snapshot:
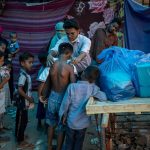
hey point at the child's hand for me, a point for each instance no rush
(31, 106)
(31, 100)
(76, 61)
(42, 100)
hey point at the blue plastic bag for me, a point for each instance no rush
(115, 79)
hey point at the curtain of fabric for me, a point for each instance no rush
(34, 26)
(137, 26)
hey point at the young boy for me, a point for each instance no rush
(41, 78)
(24, 100)
(73, 105)
(13, 45)
(61, 75)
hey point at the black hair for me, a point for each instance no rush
(2, 42)
(71, 23)
(2, 54)
(12, 33)
(65, 48)
(91, 73)
(43, 58)
(25, 56)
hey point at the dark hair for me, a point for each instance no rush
(2, 42)
(43, 58)
(91, 73)
(2, 54)
(25, 56)
(71, 23)
(12, 33)
(65, 48)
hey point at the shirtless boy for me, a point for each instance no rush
(61, 75)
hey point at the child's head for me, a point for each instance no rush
(42, 58)
(1, 58)
(91, 73)
(65, 49)
(26, 60)
(2, 46)
(13, 36)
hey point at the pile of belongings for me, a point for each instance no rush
(120, 72)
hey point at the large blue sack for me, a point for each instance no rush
(115, 79)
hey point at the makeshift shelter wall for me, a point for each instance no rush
(137, 25)
(34, 33)
(34, 26)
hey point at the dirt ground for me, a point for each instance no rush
(37, 137)
(132, 132)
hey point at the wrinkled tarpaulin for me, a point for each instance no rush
(34, 26)
(137, 25)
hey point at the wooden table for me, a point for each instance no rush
(136, 105)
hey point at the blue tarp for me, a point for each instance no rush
(137, 26)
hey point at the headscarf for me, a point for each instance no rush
(60, 31)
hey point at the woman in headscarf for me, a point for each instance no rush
(60, 32)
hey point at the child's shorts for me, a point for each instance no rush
(52, 114)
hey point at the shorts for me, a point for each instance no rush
(52, 114)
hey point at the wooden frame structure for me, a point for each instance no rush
(136, 105)
(107, 108)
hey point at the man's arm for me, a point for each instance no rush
(53, 53)
(79, 58)
(54, 50)
(86, 45)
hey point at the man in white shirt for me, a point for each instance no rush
(81, 46)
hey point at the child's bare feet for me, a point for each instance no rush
(24, 145)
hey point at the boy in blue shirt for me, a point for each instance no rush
(72, 108)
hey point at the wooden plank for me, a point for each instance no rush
(105, 120)
(132, 105)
